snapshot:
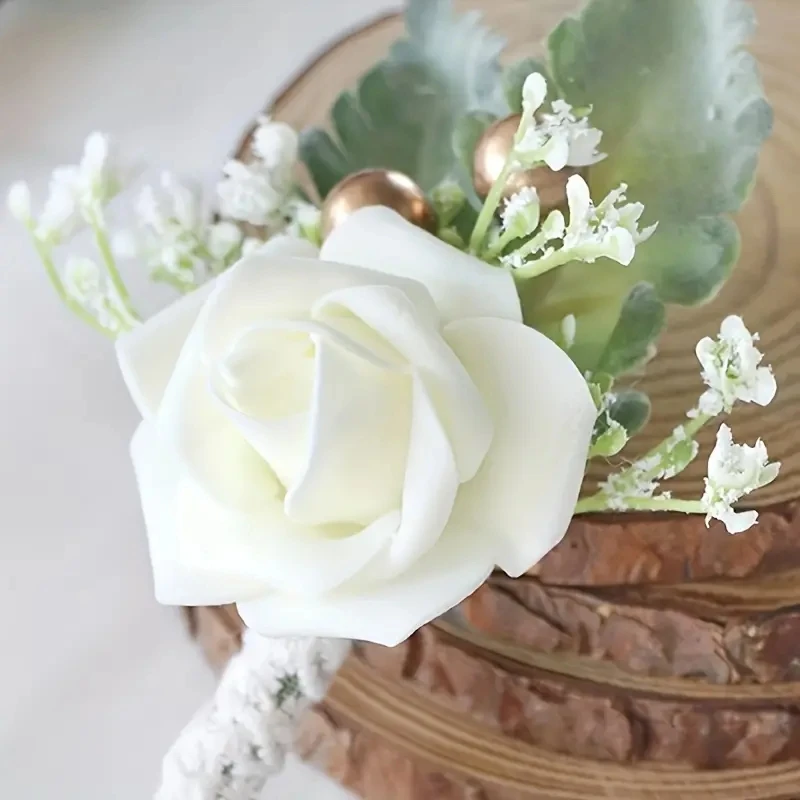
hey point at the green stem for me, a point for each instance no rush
(691, 429)
(490, 206)
(45, 256)
(600, 503)
(162, 276)
(495, 249)
(599, 500)
(543, 265)
(104, 248)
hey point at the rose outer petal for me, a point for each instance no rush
(461, 285)
(524, 495)
(148, 354)
(206, 554)
(386, 612)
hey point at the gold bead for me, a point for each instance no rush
(491, 153)
(377, 187)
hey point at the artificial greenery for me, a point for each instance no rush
(683, 116)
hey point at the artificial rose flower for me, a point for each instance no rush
(346, 445)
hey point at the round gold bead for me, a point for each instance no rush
(377, 187)
(491, 153)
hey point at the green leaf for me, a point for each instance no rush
(692, 261)
(631, 408)
(683, 114)
(514, 77)
(403, 113)
(640, 321)
(466, 133)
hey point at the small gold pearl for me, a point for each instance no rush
(377, 187)
(491, 153)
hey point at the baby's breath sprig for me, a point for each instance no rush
(732, 371)
(175, 240)
(557, 139)
(78, 196)
(608, 230)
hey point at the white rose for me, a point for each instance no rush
(347, 451)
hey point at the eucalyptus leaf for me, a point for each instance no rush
(403, 112)
(683, 116)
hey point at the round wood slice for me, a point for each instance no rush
(645, 657)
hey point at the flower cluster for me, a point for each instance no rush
(87, 287)
(560, 138)
(259, 192)
(78, 192)
(731, 371)
(174, 239)
(607, 230)
(735, 470)
(563, 138)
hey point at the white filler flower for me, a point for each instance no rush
(731, 369)
(258, 192)
(735, 470)
(559, 138)
(610, 229)
(346, 445)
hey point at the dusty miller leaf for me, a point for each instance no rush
(403, 112)
(683, 113)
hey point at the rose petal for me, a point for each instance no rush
(458, 403)
(356, 457)
(148, 354)
(262, 287)
(199, 581)
(525, 492)
(429, 490)
(387, 612)
(264, 384)
(206, 554)
(210, 447)
(460, 284)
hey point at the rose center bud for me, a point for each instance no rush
(327, 405)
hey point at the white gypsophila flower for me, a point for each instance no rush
(223, 239)
(275, 143)
(607, 230)
(732, 371)
(735, 470)
(560, 138)
(521, 212)
(258, 192)
(85, 285)
(60, 215)
(553, 228)
(19, 201)
(534, 92)
(80, 191)
(248, 194)
(171, 232)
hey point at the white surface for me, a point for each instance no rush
(96, 679)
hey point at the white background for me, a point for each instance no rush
(95, 678)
